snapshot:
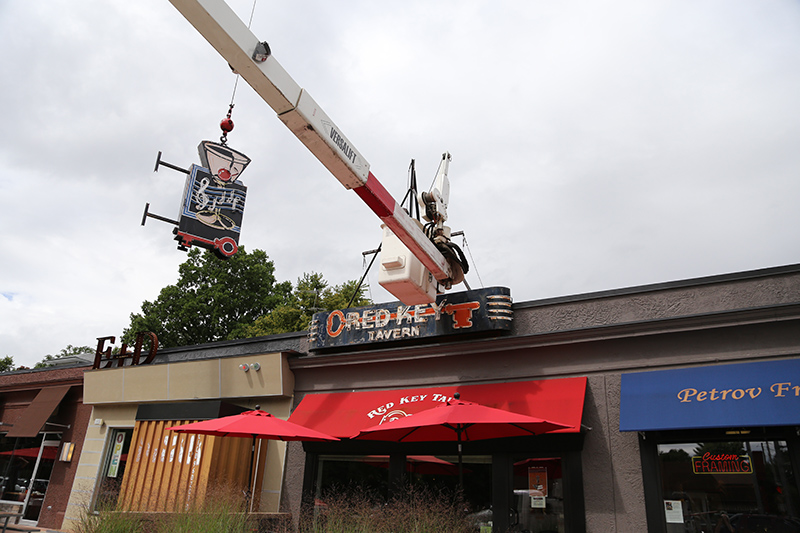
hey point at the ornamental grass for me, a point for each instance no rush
(416, 510)
(352, 511)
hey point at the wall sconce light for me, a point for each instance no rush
(255, 366)
(67, 449)
(245, 367)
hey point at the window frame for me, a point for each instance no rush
(651, 475)
(108, 447)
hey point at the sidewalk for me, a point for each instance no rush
(17, 528)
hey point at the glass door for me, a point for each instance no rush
(25, 468)
(114, 465)
(538, 504)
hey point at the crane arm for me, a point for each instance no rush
(234, 41)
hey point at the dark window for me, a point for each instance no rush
(727, 486)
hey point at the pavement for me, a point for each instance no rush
(17, 528)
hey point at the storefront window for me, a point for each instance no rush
(113, 468)
(25, 468)
(730, 486)
(538, 496)
(439, 474)
(340, 476)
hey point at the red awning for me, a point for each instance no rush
(343, 414)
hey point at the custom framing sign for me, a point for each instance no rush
(482, 310)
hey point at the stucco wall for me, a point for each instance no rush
(768, 287)
(612, 476)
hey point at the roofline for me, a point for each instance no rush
(667, 285)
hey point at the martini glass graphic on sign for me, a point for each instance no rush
(225, 165)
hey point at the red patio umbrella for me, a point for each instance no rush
(256, 425)
(418, 464)
(459, 421)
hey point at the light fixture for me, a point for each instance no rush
(67, 449)
(255, 366)
(245, 367)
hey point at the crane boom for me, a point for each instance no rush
(234, 41)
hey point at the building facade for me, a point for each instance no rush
(680, 401)
(42, 433)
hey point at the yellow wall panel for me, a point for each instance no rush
(145, 383)
(267, 381)
(189, 380)
(194, 380)
(104, 385)
(113, 416)
(273, 473)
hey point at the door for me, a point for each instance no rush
(538, 501)
(25, 468)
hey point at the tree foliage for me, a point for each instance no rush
(237, 298)
(65, 352)
(726, 447)
(311, 295)
(6, 363)
(211, 299)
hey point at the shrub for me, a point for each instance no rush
(109, 522)
(221, 512)
(414, 511)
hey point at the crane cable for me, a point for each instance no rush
(226, 125)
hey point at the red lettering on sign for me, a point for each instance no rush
(711, 463)
(329, 326)
(462, 313)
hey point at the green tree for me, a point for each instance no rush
(311, 295)
(6, 363)
(726, 447)
(674, 455)
(212, 299)
(65, 352)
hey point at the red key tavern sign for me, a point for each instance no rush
(482, 310)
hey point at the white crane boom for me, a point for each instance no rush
(234, 41)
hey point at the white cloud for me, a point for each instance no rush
(594, 146)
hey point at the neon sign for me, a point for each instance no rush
(722, 463)
(480, 310)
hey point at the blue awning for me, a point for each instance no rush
(718, 396)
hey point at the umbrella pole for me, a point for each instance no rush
(460, 465)
(248, 493)
(254, 478)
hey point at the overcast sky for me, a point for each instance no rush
(595, 145)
